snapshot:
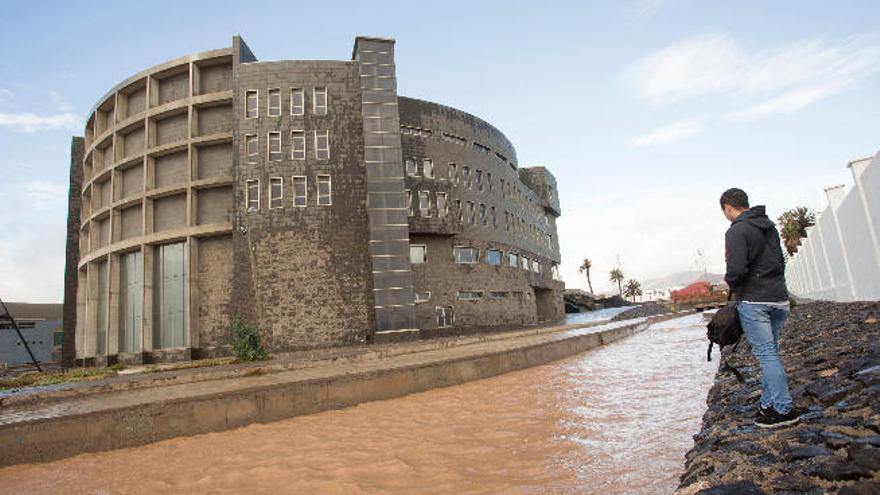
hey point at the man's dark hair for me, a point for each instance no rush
(736, 198)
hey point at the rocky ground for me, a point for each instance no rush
(646, 309)
(831, 352)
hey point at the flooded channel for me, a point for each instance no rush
(617, 419)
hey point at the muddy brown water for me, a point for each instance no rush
(617, 419)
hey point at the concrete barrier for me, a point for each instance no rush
(840, 258)
(57, 429)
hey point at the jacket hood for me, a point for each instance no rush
(757, 217)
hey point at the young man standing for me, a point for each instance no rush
(756, 277)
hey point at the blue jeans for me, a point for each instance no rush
(761, 324)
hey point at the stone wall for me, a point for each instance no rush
(302, 274)
(831, 353)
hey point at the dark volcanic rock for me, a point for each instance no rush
(640, 311)
(864, 456)
(861, 488)
(805, 452)
(831, 352)
(735, 488)
(836, 469)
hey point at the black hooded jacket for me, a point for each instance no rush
(753, 275)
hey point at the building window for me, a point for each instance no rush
(417, 253)
(423, 297)
(275, 146)
(494, 217)
(428, 168)
(536, 266)
(442, 205)
(274, 109)
(412, 169)
(319, 101)
(512, 260)
(503, 192)
(466, 176)
(425, 204)
(253, 195)
(300, 191)
(252, 148)
(324, 188)
(252, 108)
(493, 257)
(298, 145)
(525, 263)
(445, 317)
(470, 295)
(478, 177)
(297, 102)
(489, 181)
(471, 213)
(322, 145)
(498, 294)
(465, 254)
(452, 173)
(409, 202)
(276, 192)
(482, 214)
(459, 210)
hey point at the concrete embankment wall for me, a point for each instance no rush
(840, 258)
(42, 432)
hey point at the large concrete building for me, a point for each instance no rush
(306, 196)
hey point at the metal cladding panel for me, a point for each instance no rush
(389, 234)
(170, 279)
(130, 300)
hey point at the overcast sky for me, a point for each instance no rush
(644, 110)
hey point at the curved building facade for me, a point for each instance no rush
(304, 196)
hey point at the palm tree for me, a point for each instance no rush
(793, 227)
(633, 289)
(617, 276)
(585, 268)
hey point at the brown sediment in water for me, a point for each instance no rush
(617, 419)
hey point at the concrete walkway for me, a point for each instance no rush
(42, 425)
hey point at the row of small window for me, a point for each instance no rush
(455, 139)
(474, 295)
(297, 146)
(297, 102)
(418, 254)
(475, 181)
(300, 192)
(473, 214)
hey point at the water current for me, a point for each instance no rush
(617, 419)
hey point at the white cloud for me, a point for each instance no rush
(693, 67)
(6, 96)
(668, 133)
(29, 122)
(768, 82)
(59, 101)
(46, 195)
(644, 8)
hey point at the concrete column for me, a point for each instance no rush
(858, 169)
(113, 305)
(147, 332)
(836, 196)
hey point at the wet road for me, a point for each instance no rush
(617, 419)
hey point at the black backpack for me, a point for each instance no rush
(724, 329)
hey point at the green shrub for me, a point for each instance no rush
(247, 344)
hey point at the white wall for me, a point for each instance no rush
(840, 258)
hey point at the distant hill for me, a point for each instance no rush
(681, 279)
